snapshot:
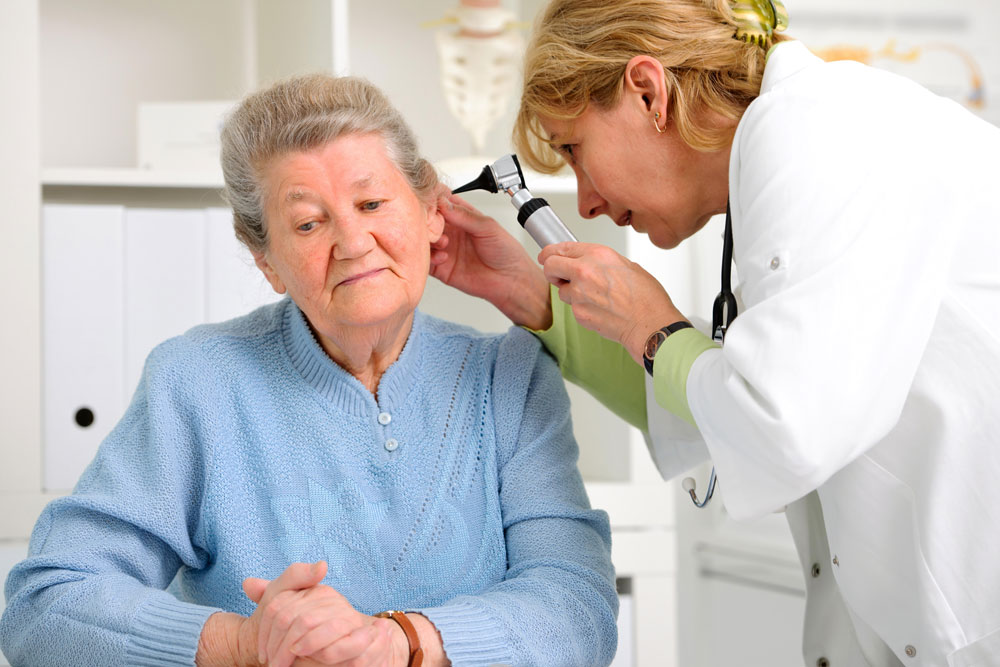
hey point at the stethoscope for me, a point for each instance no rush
(723, 313)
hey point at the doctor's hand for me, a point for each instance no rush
(305, 626)
(609, 294)
(479, 257)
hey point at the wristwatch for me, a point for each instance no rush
(416, 653)
(656, 339)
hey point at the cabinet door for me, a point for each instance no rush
(82, 335)
(235, 285)
(164, 281)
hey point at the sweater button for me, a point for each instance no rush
(384, 418)
(391, 444)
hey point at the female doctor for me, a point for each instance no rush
(859, 388)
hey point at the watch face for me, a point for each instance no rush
(653, 343)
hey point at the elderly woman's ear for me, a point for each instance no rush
(272, 276)
(435, 220)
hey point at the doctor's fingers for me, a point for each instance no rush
(594, 252)
(590, 276)
(463, 215)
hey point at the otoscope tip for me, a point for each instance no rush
(485, 181)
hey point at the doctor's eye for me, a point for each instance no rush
(372, 205)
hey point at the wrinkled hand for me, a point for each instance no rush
(479, 257)
(609, 294)
(301, 622)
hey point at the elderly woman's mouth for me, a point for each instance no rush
(357, 277)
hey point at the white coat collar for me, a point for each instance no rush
(786, 59)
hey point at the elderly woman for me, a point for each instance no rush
(337, 454)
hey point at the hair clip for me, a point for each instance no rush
(757, 20)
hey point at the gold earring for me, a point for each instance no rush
(656, 117)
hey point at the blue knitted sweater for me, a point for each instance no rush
(246, 448)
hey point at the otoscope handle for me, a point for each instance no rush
(539, 220)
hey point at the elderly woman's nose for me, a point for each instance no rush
(588, 201)
(352, 240)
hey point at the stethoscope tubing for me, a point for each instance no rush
(724, 311)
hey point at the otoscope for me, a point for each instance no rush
(533, 213)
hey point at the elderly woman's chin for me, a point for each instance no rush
(376, 299)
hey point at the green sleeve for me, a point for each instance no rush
(599, 365)
(609, 374)
(671, 367)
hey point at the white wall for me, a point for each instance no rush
(178, 51)
(20, 335)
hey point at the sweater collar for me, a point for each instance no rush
(338, 386)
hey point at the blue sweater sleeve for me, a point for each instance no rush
(91, 591)
(557, 604)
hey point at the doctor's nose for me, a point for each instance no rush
(588, 202)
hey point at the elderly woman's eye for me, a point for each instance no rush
(371, 205)
(306, 226)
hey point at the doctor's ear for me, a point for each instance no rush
(645, 84)
(260, 259)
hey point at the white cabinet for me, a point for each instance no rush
(164, 280)
(83, 335)
(117, 281)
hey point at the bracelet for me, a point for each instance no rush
(416, 653)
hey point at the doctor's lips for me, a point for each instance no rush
(624, 219)
(350, 280)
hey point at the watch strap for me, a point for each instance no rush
(416, 653)
(647, 360)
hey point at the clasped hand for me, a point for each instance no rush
(301, 622)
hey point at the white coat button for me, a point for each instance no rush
(815, 570)
(910, 651)
(775, 263)
(822, 662)
(391, 444)
(384, 418)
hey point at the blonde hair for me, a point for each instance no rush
(301, 114)
(579, 50)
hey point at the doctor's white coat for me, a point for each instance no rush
(859, 388)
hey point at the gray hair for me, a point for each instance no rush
(301, 114)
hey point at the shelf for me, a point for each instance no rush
(103, 177)
(131, 178)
